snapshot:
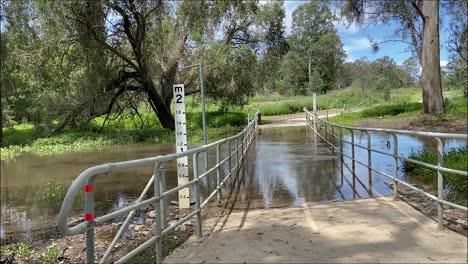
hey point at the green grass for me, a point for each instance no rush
(23, 139)
(453, 159)
(350, 97)
(21, 250)
(454, 108)
(51, 254)
(130, 130)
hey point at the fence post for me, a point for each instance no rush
(369, 161)
(395, 164)
(341, 156)
(229, 161)
(353, 155)
(89, 217)
(157, 208)
(197, 195)
(440, 184)
(326, 133)
(218, 173)
(162, 182)
(333, 136)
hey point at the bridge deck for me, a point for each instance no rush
(358, 231)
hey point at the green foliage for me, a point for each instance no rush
(453, 159)
(402, 107)
(391, 109)
(315, 46)
(52, 253)
(22, 249)
(456, 107)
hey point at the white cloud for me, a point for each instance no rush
(356, 44)
(443, 63)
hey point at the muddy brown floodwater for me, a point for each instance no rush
(284, 169)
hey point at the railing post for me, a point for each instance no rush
(369, 161)
(341, 155)
(326, 133)
(242, 145)
(395, 164)
(333, 136)
(218, 173)
(163, 203)
(229, 161)
(440, 184)
(89, 217)
(197, 195)
(353, 155)
(157, 208)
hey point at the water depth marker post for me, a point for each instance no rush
(181, 144)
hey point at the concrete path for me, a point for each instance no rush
(299, 118)
(359, 231)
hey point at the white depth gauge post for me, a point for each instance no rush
(181, 144)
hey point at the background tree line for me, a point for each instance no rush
(64, 63)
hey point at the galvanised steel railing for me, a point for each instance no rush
(87, 179)
(327, 131)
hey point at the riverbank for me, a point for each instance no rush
(409, 116)
(24, 139)
(130, 129)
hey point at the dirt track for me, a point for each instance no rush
(370, 230)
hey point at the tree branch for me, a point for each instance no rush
(418, 9)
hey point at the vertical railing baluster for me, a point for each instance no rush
(230, 161)
(353, 164)
(218, 173)
(326, 133)
(157, 208)
(369, 162)
(333, 136)
(395, 165)
(89, 217)
(197, 195)
(163, 203)
(440, 184)
(341, 155)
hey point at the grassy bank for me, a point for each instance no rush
(405, 112)
(454, 159)
(280, 105)
(403, 103)
(24, 138)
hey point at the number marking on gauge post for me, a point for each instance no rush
(181, 144)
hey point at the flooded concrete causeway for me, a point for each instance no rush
(284, 169)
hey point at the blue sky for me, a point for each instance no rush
(356, 40)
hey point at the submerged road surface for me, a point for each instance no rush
(359, 231)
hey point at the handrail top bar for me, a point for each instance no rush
(397, 131)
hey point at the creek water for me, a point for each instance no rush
(284, 168)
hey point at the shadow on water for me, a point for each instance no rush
(285, 168)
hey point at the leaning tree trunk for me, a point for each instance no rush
(160, 108)
(431, 81)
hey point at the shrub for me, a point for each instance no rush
(52, 253)
(391, 109)
(454, 159)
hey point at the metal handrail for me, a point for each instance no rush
(87, 178)
(326, 130)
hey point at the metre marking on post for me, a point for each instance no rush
(181, 144)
